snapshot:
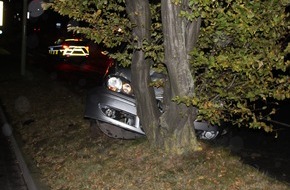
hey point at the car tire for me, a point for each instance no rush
(94, 129)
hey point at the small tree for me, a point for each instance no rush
(218, 56)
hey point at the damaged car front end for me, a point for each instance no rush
(112, 108)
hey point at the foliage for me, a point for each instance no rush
(239, 61)
(238, 64)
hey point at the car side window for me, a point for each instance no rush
(59, 41)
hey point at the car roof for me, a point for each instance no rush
(73, 39)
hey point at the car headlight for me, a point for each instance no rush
(118, 84)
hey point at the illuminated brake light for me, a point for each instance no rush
(65, 47)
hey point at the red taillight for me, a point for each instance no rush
(65, 46)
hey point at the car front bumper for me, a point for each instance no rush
(114, 108)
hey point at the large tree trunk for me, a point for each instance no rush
(173, 130)
(139, 14)
(180, 35)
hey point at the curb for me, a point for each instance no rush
(7, 131)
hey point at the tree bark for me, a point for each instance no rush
(139, 14)
(173, 130)
(180, 35)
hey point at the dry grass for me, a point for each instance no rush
(48, 119)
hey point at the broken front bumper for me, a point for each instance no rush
(113, 108)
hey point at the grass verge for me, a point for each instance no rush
(48, 120)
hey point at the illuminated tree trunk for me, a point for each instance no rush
(180, 36)
(139, 14)
(173, 130)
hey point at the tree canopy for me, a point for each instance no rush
(224, 59)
